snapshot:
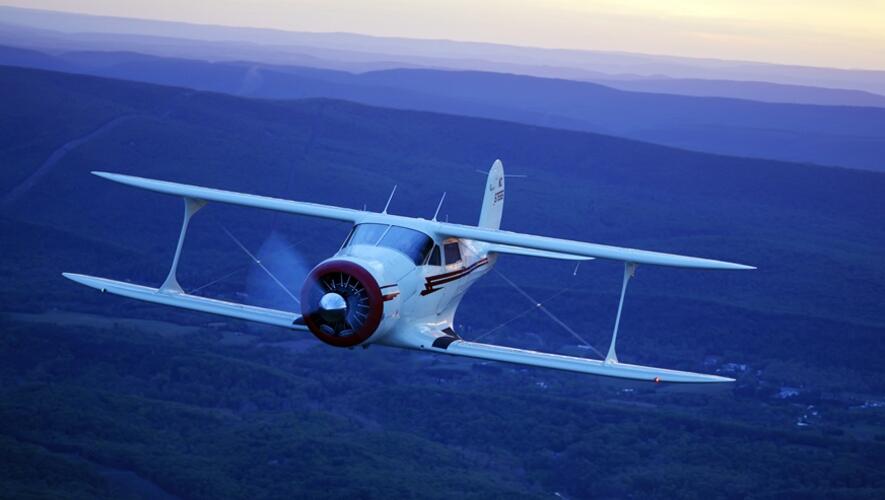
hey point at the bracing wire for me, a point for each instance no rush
(518, 316)
(228, 275)
(259, 264)
(235, 271)
(539, 305)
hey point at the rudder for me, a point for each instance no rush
(493, 199)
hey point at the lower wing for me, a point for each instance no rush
(446, 343)
(192, 302)
(449, 344)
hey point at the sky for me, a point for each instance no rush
(843, 34)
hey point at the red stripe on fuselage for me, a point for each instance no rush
(433, 281)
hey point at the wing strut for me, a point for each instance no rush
(170, 292)
(191, 206)
(629, 272)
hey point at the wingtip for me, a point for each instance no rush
(120, 178)
(103, 175)
(76, 278)
(703, 379)
(732, 266)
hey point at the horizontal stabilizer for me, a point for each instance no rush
(192, 302)
(531, 252)
(574, 364)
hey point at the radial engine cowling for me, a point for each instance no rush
(341, 303)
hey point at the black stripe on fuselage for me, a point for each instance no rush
(432, 282)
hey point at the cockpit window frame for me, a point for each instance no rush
(435, 257)
(425, 247)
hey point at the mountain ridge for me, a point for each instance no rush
(834, 135)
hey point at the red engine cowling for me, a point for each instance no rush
(341, 303)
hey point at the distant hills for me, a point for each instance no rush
(829, 135)
(754, 91)
(355, 52)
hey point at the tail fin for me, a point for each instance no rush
(493, 199)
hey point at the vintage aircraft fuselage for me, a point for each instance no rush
(389, 274)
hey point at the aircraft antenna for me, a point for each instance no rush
(441, 200)
(389, 200)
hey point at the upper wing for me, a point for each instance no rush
(547, 247)
(449, 344)
(248, 200)
(580, 248)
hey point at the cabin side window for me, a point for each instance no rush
(434, 257)
(453, 253)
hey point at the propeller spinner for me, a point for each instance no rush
(341, 303)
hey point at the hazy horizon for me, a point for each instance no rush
(812, 34)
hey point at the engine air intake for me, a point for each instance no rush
(341, 303)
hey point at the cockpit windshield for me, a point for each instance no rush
(414, 244)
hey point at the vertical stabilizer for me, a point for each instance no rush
(493, 199)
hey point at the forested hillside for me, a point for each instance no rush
(104, 396)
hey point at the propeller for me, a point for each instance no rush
(278, 272)
(341, 303)
(343, 307)
(340, 300)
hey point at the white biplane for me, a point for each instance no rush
(397, 281)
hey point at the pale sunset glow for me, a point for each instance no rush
(845, 34)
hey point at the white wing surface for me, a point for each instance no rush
(454, 346)
(543, 245)
(192, 302)
(246, 200)
(580, 248)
